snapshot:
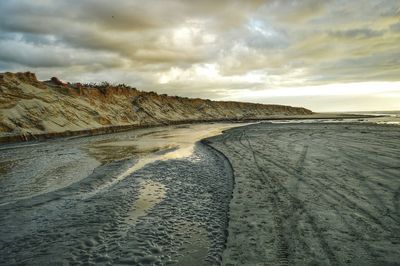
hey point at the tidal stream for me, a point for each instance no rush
(145, 197)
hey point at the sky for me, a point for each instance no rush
(324, 55)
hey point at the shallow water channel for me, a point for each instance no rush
(151, 196)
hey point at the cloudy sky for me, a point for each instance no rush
(324, 55)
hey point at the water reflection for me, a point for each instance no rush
(150, 193)
(150, 145)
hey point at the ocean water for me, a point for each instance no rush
(382, 117)
(378, 117)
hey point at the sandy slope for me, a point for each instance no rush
(313, 194)
(30, 107)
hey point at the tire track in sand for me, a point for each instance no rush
(280, 190)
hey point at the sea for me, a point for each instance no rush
(377, 117)
(381, 117)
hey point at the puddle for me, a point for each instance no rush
(150, 193)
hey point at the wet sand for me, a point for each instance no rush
(263, 194)
(145, 197)
(313, 194)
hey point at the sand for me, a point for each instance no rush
(144, 197)
(313, 194)
(263, 194)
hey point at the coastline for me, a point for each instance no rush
(15, 138)
(40, 109)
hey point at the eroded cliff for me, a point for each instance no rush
(29, 107)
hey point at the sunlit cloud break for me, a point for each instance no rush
(323, 55)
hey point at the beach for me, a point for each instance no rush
(313, 194)
(200, 133)
(268, 193)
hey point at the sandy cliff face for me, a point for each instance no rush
(31, 107)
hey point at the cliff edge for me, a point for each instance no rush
(31, 108)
